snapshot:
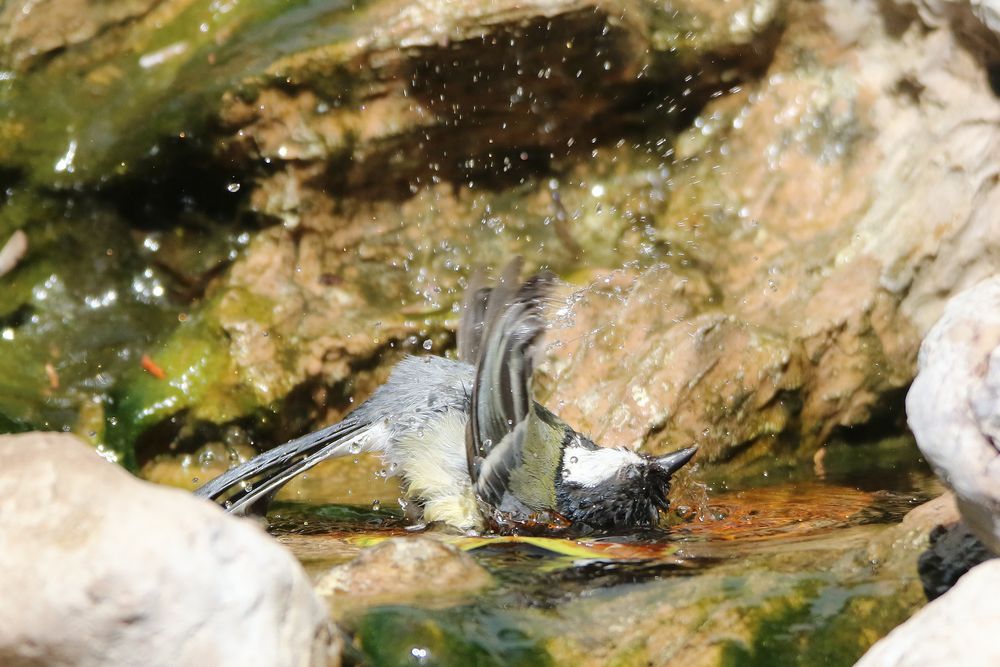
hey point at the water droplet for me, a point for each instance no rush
(428, 344)
(376, 505)
(233, 187)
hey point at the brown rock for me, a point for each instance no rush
(405, 568)
(785, 198)
(423, 96)
(792, 201)
(30, 30)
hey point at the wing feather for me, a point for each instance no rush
(250, 487)
(501, 400)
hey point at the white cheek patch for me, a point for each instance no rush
(590, 467)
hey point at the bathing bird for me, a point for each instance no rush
(471, 446)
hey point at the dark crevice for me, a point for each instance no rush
(993, 76)
(887, 418)
(182, 183)
(500, 117)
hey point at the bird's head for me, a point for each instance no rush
(605, 488)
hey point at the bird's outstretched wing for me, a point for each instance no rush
(250, 487)
(503, 432)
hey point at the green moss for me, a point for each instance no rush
(822, 624)
(81, 307)
(391, 636)
(91, 298)
(109, 102)
(199, 375)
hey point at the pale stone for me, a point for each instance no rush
(953, 407)
(959, 628)
(98, 568)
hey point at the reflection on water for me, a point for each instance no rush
(735, 523)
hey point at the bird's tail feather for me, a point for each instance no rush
(250, 487)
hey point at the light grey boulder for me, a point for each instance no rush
(953, 406)
(98, 568)
(959, 628)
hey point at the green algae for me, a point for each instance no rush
(396, 635)
(823, 623)
(197, 375)
(80, 308)
(109, 102)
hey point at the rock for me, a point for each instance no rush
(953, 551)
(776, 279)
(828, 256)
(740, 195)
(102, 569)
(418, 98)
(946, 548)
(913, 535)
(953, 406)
(404, 569)
(956, 629)
(976, 21)
(362, 267)
(33, 30)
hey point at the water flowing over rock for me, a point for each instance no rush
(775, 263)
(99, 568)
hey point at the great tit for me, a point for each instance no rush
(471, 446)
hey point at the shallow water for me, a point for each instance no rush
(785, 552)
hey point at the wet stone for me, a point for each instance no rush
(404, 569)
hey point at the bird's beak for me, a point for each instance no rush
(674, 461)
